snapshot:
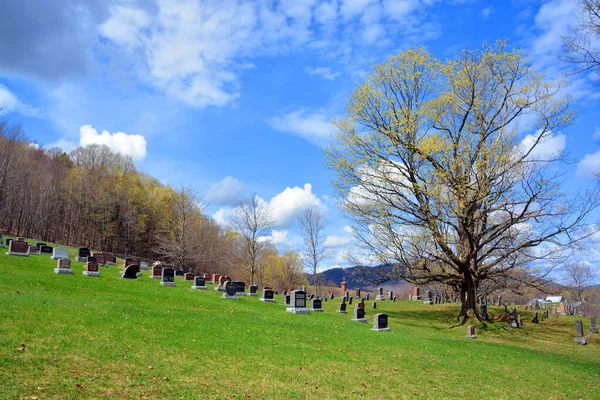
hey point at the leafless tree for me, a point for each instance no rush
(251, 219)
(582, 49)
(579, 276)
(312, 230)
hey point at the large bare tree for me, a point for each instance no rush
(251, 219)
(312, 222)
(433, 167)
(579, 276)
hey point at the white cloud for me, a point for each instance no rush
(227, 192)
(550, 146)
(280, 238)
(284, 206)
(589, 166)
(119, 142)
(337, 241)
(486, 12)
(65, 145)
(10, 103)
(316, 126)
(124, 25)
(194, 50)
(324, 72)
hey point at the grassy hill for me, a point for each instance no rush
(87, 337)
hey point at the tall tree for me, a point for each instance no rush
(312, 230)
(251, 219)
(582, 49)
(579, 276)
(430, 167)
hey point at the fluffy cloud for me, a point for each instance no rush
(486, 12)
(337, 241)
(324, 72)
(550, 146)
(227, 192)
(316, 126)
(288, 204)
(119, 142)
(284, 207)
(589, 166)
(194, 50)
(10, 103)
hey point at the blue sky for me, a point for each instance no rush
(236, 97)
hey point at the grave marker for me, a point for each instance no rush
(593, 327)
(131, 272)
(253, 290)
(380, 322)
(268, 295)
(471, 332)
(579, 338)
(63, 266)
(82, 254)
(215, 278)
(91, 267)
(188, 277)
(230, 291)
(380, 295)
(199, 283)
(342, 308)
(60, 252)
(298, 303)
(156, 271)
(167, 277)
(144, 266)
(17, 248)
(535, 319)
(428, 298)
(359, 315)
(316, 305)
(33, 250)
(287, 299)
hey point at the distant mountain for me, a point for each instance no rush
(354, 276)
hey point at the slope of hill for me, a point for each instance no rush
(72, 336)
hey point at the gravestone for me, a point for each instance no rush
(593, 327)
(357, 292)
(8, 241)
(394, 299)
(343, 287)
(512, 319)
(199, 283)
(374, 305)
(350, 300)
(111, 259)
(331, 297)
(380, 322)
(360, 305)
(230, 291)
(359, 315)
(101, 258)
(156, 272)
(1, 240)
(367, 297)
(287, 299)
(131, 272)
(63, 266)
(215, 278)
(390, 295)
(240, 288)
(82, 254)
(268, 295)
(428, 298)
(33, 250)
(342, 308)
(46, 249)
(380, 295)
(60, 252)
(416, 293)
(144, 266)
(39, 245)
(253, 290)
(298, 303)
(316, 305)
(471, 332)
(484, 312)
(535, 319)
(189, 277)
(167, 277)
(179, 272)
(579, 338)
(222, 282)
(91, 268)
(18, 248)
(347, 294)
(126, 263)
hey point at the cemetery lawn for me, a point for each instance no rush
(72, 336)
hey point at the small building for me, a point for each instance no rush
(555, 299)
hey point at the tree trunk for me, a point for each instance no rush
(468, 296)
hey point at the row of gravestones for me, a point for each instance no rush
(579, 336)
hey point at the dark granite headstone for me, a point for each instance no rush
(18, 247)
(287, 299)
(240, 287)
(83, 252)
(380, 322)
(230, 288)
(298, 299)
(167, 277)
(199, 281)
(38, 245)
(253, 290)
(316, 305)
(130, 272)
(342, 308)
(92, 259)
(268, 295)
(359, 315)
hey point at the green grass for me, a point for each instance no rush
(88, 337)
